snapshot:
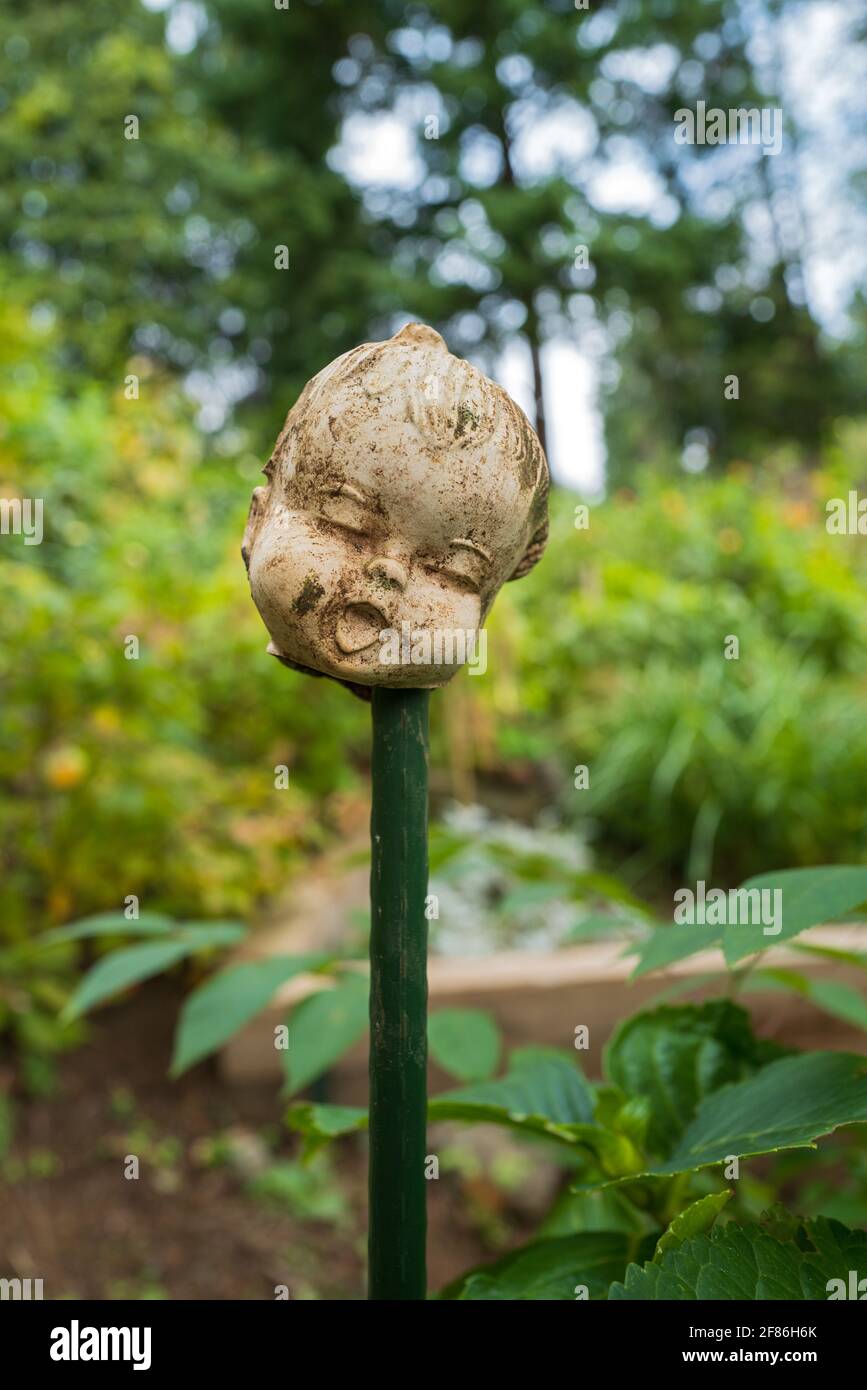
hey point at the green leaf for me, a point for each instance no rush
(809, 898)
(322, 1027)
(747, 1262)
(549, 1270)
(465, 1042)
(832, 996)
(528, 895)
(110, 924)
(202, 935)
(856, 958)
(121, 969)
(604, 1209)
(615, 1153)
(318, 1125)
(692, 1221)
(675, 1055)
(599, 925)
(787, 1105)
(543, 1092)
(668, 944)
(840, 1000)
(225, 1003)
(325, 1121)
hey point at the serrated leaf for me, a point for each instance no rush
(322, 1027)
(121, 969)
(692, 1221)
(837, 1248)
(465, 1042)
(786, 1105)
(675, 1055)
(542, 1091)
(809, 898)
(748, 1263)
(229, 1000)
(548, 1270)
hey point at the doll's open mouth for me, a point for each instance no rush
(359, 626)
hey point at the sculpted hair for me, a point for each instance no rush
(446, 402)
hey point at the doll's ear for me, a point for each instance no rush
(254, 516)
(534, 460)
(533, 554)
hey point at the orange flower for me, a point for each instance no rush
(797, 514)
(65, 767)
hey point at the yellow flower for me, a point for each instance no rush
(106, 719)
(65, 767)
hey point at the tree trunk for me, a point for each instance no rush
(538, 390)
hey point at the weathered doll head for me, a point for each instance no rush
(403, 491)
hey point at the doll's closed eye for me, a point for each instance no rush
(466, 565)
(347, 509)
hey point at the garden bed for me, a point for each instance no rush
(538, 997)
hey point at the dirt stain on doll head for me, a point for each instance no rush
(311, 593)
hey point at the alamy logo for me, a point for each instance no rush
(22, 516)
(857, 1288)
(739, 126)
(20, 1290)
(77, 1343)
(846, 516)
(742, 907)
(435, 647)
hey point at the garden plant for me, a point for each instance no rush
(657, 1201)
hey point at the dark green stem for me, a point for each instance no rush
(398, 995)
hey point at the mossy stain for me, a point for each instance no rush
(311, 593)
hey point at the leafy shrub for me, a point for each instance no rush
(151, 776)
(611, 655)
(689, 1094)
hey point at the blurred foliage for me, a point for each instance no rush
(507, 237)
(153, 259)
(152, 776)
(697, 1086)
(155, 776)
(614, 652)
(34, 988)
(166, 244)
(162, 239)
(141, 723)
(501, 885)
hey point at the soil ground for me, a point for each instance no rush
(189, 1226)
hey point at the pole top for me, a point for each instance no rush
(404, 490)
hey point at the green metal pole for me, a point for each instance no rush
(398, 995)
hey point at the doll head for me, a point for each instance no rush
(405, 488)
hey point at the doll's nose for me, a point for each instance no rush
(392, 571)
